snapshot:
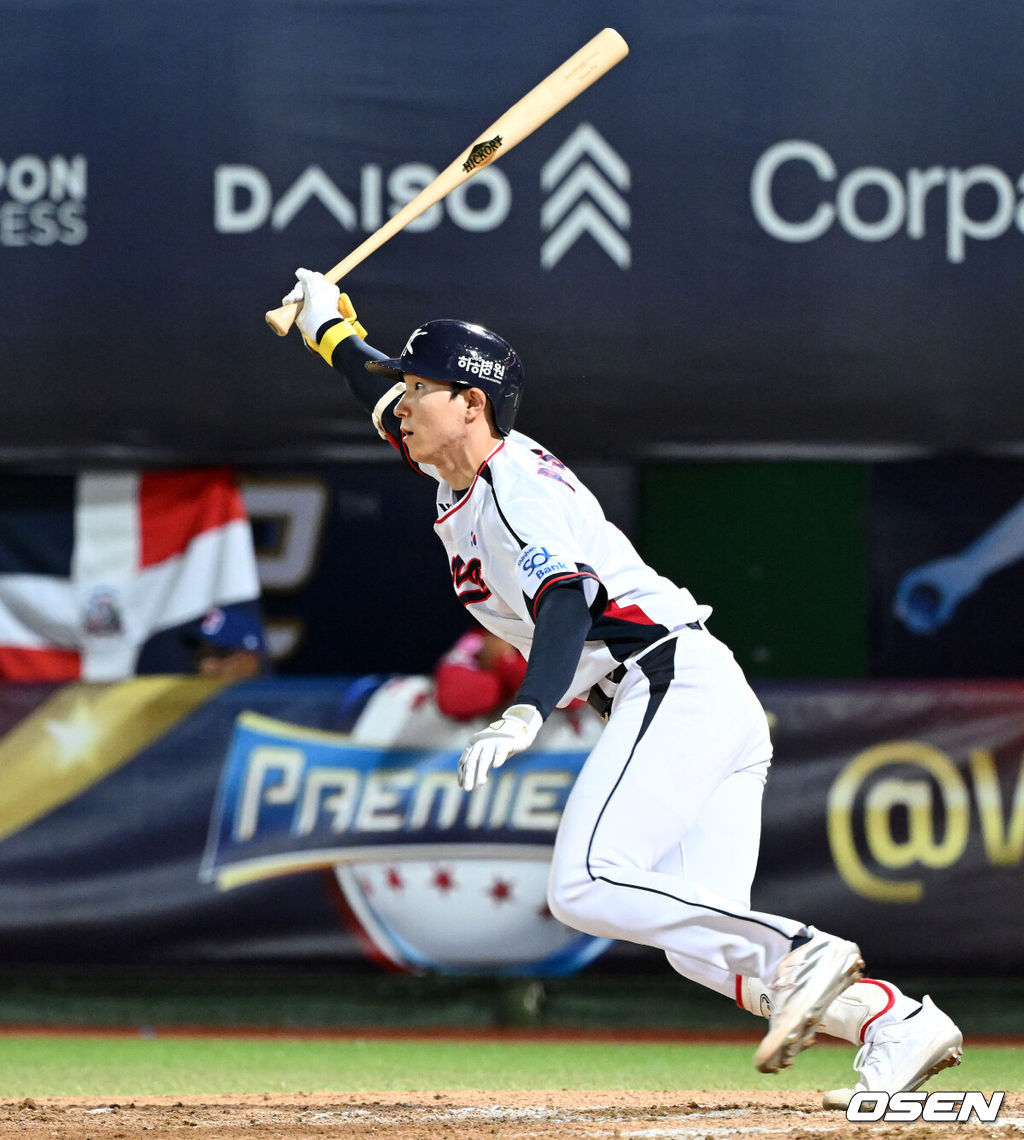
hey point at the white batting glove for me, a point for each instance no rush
(492, 746)
(319, 300)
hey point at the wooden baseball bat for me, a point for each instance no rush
(573, 77)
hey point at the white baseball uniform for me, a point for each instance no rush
(659, 838)
(658, 841)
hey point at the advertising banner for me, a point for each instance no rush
(435, 878)
(787, 228)
(894, 815)
(169, 819)
(946, 547)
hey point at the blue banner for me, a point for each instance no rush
(437, 879)
(786, 227)
(291, 799)
(170, 819)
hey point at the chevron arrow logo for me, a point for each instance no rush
(585, 179)
(313, 183)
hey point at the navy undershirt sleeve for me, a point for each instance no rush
(563, 622)
(349, 358)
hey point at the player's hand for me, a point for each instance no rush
(493, 745)
(321, 301)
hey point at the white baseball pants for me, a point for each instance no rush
(658, 841)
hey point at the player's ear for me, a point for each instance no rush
(476, 403)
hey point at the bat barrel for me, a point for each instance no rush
(567, 81)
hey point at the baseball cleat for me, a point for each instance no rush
(900, 1057)
(809, 979)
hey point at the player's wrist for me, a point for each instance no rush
(526, 701)
(525, 708)
(331, 333)
(525, 720)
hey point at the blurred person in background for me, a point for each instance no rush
(229, 643)
(478, 675)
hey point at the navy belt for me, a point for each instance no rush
(599, 700)
(616, 675)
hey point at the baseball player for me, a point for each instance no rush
(659, 837)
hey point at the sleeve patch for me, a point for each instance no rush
(537, 564)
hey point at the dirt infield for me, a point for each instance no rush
(472, 1115)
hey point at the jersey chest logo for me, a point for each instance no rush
(468, 581)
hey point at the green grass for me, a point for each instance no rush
(606, 996)
(129, 1066)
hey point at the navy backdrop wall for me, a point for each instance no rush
(781, 224)
(822, 569)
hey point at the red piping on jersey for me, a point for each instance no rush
(628, 613)
(468, 495)
(560, 578)
(403, 451)
(739, 991)
(889, 1004)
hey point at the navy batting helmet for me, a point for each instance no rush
(456, 352)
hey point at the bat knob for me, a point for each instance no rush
(282, 319)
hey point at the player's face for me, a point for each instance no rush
(432, 421)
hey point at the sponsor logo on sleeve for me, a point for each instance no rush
(537, 564)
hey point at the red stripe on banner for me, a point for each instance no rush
(628, 613)
(20, 664)
(175, 506)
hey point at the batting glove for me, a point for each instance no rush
(321, 302)
(492, 746)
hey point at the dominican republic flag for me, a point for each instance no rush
(102, 574)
